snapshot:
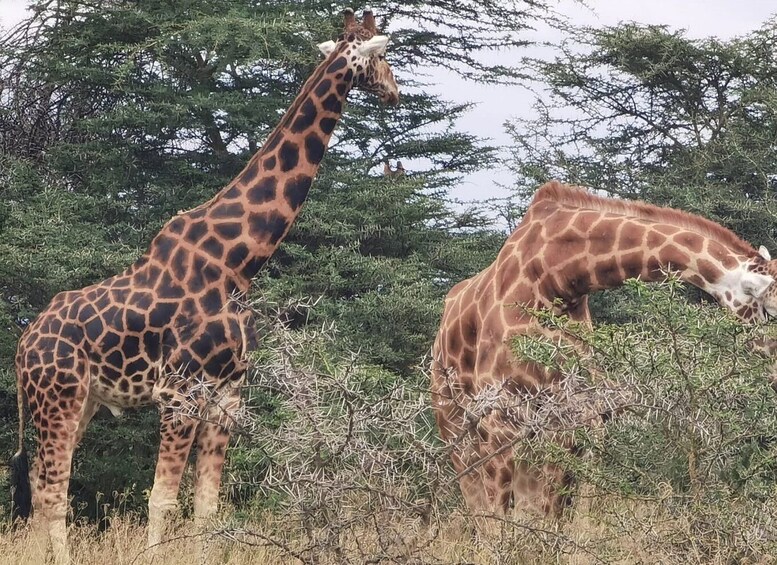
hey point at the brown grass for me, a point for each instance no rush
(600, 530)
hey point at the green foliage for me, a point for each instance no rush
(694, 432)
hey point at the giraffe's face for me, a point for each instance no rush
(375, 75)
(364, 53)
(760, 287)
(769, 296)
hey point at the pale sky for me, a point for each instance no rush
(700, 18)
(724, 19)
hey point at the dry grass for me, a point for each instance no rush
(600, 530)
(124, 543)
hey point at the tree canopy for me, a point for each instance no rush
(645, 112)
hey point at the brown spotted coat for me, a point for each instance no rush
(570, 243)
(165, 330)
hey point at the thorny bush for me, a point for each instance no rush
(347, 455)
(687, 468)
(337, 461)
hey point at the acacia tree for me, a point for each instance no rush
(115, 114)
(644, 112)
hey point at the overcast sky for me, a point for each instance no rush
(700, 18)
(724, 19)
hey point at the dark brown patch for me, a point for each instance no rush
(306, 117)
(674, 257)
(237, 255)
(296, 190)
(690, 240)
(608, 275)
(227, 211)
(228, 231)
(323, 87)
(314, 148)
(176, 226)
(269, 226)
(327, 125)
(708, 270)
(233, 192)
(631, 263)
(602, 236)
(262, 191)
(288, 156)
(332, 104)
(250, 172)
(336, 65)
(196, 231)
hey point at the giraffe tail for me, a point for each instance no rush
(21, 493)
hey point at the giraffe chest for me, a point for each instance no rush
(476, 338)
(178, 343)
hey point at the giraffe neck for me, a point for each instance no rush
(254, 212)
(569, 254)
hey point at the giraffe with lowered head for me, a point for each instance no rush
(570, 243)
(165, 331)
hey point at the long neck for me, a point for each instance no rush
(254, 212)
(569, 255)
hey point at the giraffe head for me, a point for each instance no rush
(750, 290)
(363, 51)
(766, 293)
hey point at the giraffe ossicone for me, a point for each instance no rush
(569, 244)
(166, 330)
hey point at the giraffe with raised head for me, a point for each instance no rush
(165, 331)
(570, 243)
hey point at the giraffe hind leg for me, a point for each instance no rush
(56, 414)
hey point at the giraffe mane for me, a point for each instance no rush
(580, 197)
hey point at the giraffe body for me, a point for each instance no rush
(166, 331)
(569, 244)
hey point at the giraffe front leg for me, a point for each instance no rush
(176, 438)
(212, 440)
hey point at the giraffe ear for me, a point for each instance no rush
(326, 47)
(754, 284)
(374, 45)
(763, 252)
(368, 20)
